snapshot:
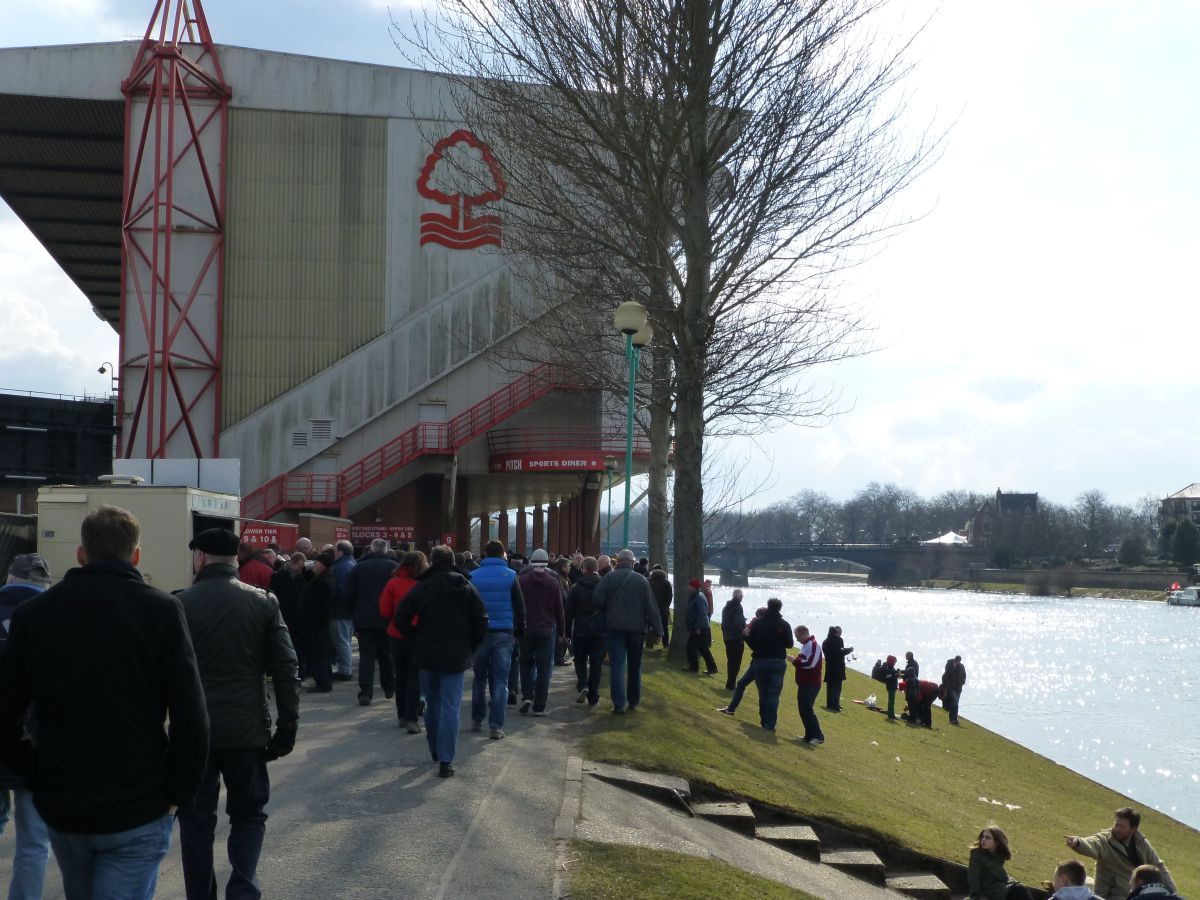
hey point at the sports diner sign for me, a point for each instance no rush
(548, 462)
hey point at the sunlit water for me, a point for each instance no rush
(1104, 687)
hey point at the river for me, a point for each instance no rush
(1107, 688)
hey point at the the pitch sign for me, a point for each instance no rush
(548, 462)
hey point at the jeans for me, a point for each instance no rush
(340, 632)
(589, 662)
(408, 680)
(537, 662)
(514, 669)
(625, 668)
(247, 790)
(950, 704)
(806, 696)
(742, 683)
(768, 678)
(32, 849)
(121, 866)
(443, 698)
(492, 661)
(833, 695)
(733, 661)
(697, 646)
(372, 648)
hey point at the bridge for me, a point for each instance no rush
(899, 562)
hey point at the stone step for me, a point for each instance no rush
(919, 884)
(863, 864)
(738, 816)
(649, 784)
(799, 839)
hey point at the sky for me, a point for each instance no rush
(1031, 327)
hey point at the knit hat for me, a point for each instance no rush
(539, 558)
(695, 583)
(891, 660)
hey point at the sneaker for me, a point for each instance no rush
(413, 727)
(582, 698)
(815, 742)
(541, 712)
(526, 705)
(389, 694)
(618, 712)
(445, 770)
(728, 710)
(364, 699)
(476, 725)
(341, 676)
(593, 703)
(318, 690)
(420, 707)
(713, 672)
(496, 734)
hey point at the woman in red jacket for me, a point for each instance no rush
(408, 685)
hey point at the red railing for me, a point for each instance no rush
(329, 491)
(592, 441)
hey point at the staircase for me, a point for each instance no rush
(423, 439)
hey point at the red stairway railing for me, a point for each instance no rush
(335, 491)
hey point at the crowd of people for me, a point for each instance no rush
(202, 659)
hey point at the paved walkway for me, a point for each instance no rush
(357, 810)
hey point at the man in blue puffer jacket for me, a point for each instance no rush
(505, 605)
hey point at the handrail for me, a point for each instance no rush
(423, 438)
(510, 441)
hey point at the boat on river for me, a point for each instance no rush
(1188, 596)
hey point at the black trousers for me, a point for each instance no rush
(589, 659)
(317, 657)
(833, 695)
(733, 661)
(373, 648)
(247, 790)
(697, 646)
(664, 613)
(408, 682)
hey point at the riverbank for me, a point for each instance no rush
(928, 790)
(991, 587)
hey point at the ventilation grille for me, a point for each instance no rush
(322, 429)
(299, 438)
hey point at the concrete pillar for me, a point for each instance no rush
(522, 539)
(590, 517)
(572, 527)
(462, 523)
(553, 515)
(539, 536)
(502, 528)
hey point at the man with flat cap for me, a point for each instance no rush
(240, 637)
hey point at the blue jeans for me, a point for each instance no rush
(806, 696)
(247, 790)
(537, 662)
(121, 866)
(768, 678)
(742, 684)
(340, 632)
(32, 845)
(492, 662)
(625, 668)
(443, 697)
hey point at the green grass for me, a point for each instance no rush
(611, 872)
(915, 787)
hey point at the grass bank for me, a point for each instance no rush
(928, 790)
(1007, 588)
(609, 872)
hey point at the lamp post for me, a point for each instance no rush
(610, 466)
(630, 320)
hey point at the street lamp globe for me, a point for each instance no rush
(610, 464)
(644, 335)
(630, 317)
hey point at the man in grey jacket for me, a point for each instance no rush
(623, 597)
(240, 637)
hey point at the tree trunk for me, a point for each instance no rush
(660, 447)
(688, 514)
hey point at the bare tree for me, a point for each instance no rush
(717, 159)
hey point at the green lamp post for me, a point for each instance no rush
(630, 320)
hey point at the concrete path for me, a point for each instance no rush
(357, 811)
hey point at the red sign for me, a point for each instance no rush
(260, 534)
(448, 540)
(394, 534)
(341, 532)
(461, 173)
(548, 462)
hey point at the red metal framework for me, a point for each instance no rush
(173, 238)
(426, 438)
(583, 441)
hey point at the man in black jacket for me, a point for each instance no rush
(365, 584)
(450, 624)
(316, 602)
(104, 658)
(587, 637)
(239, 636)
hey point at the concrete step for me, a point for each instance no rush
(919, 884)
(863, 864)
(648, 784)
(738, 816)
(799, 839)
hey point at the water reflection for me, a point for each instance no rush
(1104, 687)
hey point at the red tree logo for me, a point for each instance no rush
(461, 173)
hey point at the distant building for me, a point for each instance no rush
(1183, 504)
(1003, 509)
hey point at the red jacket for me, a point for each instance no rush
(809, 662)
(256, 572)
(394, 591)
